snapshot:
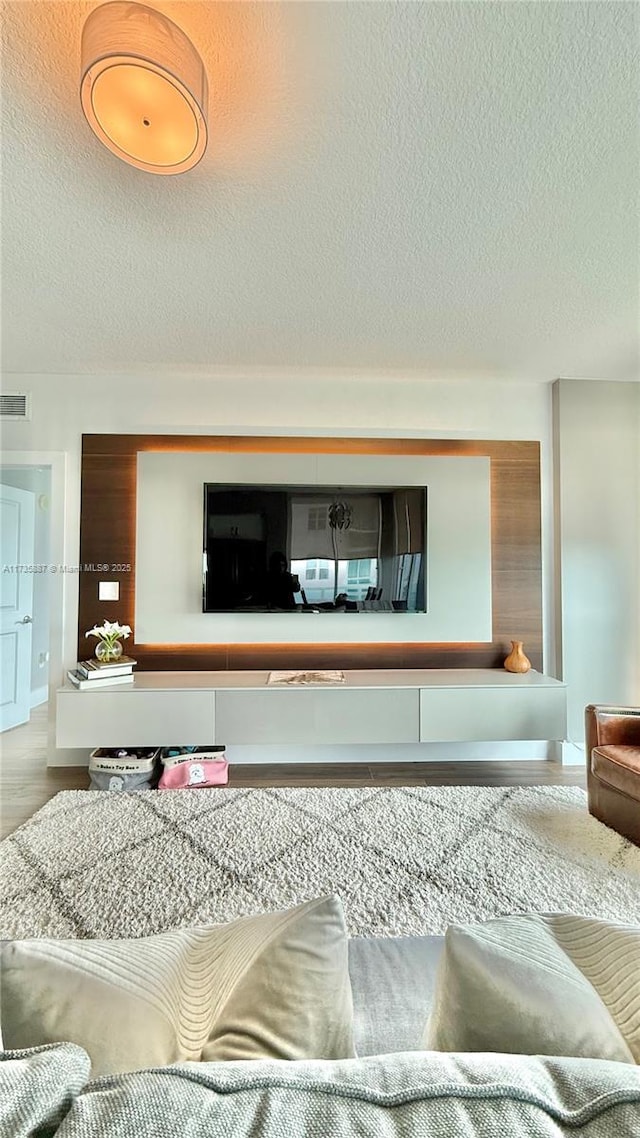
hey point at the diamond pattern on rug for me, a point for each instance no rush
(478, 802)
(252, 832)
(333, 802)
(18, 875)
(425, 833)
(191, 803)
(99, 829)
(404, 860)
(550, 822)
(553, 886)
(148, 887)
(37, 910)
(63, 803)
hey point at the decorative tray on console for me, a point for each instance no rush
(306, 678)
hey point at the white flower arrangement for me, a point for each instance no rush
(110, 633)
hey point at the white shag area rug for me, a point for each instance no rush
(404, 860)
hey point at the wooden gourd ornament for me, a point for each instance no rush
(516, 661)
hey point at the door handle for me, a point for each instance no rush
(25, 620)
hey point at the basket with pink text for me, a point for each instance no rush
(193, 767)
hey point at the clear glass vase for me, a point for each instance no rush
(106, 653)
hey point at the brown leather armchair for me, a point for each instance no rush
(613, 767)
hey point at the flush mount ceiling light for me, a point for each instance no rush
(144, 88)
(339, 515)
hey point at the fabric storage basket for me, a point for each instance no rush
(193, 767)
(135, 769)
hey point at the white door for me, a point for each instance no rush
(17, 530)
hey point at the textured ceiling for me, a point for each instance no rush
(445, 189)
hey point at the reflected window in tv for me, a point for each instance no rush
(314, 549)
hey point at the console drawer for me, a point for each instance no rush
(476, 714)
(134, 718)
(299, 716)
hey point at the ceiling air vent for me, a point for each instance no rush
(15, 406)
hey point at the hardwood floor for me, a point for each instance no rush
(26, 782)
(463, 773)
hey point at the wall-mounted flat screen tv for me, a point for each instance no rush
(314, 549)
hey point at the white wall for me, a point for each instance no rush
(169, 548)
(65, 407)
(597, 471)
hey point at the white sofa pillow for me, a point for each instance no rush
(539, 985)
(273, 986)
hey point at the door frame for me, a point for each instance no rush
(64, 585)
(17, 619)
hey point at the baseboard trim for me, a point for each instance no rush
(572, 754)
(515, 751)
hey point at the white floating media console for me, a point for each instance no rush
(394, 707)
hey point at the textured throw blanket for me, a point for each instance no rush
(408, 1095)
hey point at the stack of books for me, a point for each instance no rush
(92, 674)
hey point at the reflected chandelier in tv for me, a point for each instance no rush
(314, 549)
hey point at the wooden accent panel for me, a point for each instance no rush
(107, 541)
(108, 535)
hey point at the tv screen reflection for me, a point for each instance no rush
(314, 549)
